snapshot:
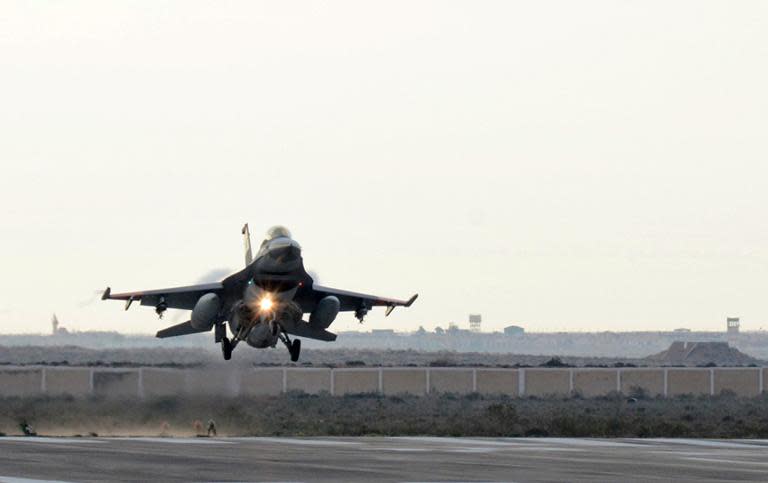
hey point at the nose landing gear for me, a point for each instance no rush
(226, 348)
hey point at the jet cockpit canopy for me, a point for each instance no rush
(278, 231)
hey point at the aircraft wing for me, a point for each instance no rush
(174, 298)
(355, 301)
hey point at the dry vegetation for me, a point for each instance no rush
(187, 357)
(724, 416)
(80, 356)
(712, 354)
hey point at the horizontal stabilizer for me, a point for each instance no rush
(303, 329)
(184, 328)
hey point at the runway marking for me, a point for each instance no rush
(467, 449)
(296, 441)
(37, 439)
(756, 442)
(578, 442)
(536, 448)
(730, 462)
(521, 442)
(173, 440)
(699, 442)
(396, 449)
(13, 479)
(453, 440)
(474, 449)
(678, 454)
(470, 449)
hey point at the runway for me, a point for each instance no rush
(25, 460)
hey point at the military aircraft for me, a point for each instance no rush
(263, 303)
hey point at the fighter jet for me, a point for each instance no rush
(262, 304)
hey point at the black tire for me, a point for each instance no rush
(295, 350)
(226, 349)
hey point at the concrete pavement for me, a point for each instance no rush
(380, 459)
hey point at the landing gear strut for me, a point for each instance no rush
(294, 347)
(220, 332)
(226, 348)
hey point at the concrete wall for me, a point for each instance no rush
(20, 382)
(650, 380)
(212, 382)
(460, 381)
(116, 383)
(743, 382)
(229, 382)
(73, 381)
(262, 382)
(396, 381)
(498, 381)
(764, 380)
(311, 381)
(547, 382)
(162, 382)
(595, 382)
(689, 381)
(355, 381)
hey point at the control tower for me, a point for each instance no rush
(733, 325)
(474, 322)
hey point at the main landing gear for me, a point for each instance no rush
(294, 347)
(228, 345)
(220, 337)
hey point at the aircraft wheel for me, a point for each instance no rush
(295, 350)
(226, 348)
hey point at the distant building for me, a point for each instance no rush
(57, 329)
(733, 324)
(514, 330)
(382, 332)
(474, 322)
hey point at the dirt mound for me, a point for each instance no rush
(701, 353)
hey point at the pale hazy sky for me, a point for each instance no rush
(555, 164)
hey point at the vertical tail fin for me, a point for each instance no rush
(247, 241)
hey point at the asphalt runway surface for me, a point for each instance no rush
(26, 460)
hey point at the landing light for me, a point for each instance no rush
(266, 304)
